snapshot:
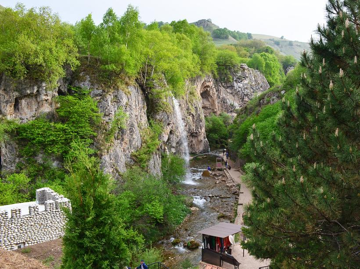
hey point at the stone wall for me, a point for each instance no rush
(23, 228)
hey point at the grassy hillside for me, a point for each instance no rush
(219, 42)
(285, 46)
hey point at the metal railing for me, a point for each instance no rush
(157, 265)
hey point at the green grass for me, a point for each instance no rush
(48, 260)
(219, 42)
(283, 45)
(26, 250)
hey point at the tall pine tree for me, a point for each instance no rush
(306, 181)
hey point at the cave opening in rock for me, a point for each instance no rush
(16, 105)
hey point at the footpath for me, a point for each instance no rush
(247, 261)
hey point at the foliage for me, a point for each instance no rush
(269, 65)
(77, 118)
(150, 143)
(94, 235)
(305, 179)
(221, 33)
(14, 189)
(226, 60)
(173, 169)
(224, 33)
(186, 264)
(264, 116)
(202, 44)
(216, 130)
(119, 122)
(161, 58)
(288, 61)
(35, 44)
(149, 255)
(148, 204)
(6, 128)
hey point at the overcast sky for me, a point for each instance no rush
(293, 19)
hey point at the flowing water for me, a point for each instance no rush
(184, 142)
(213, 202)
(212, 198)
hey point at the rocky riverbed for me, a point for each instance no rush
(214, 200)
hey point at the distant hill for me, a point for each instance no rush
(207, 25)
(285, 46)
(1, 7)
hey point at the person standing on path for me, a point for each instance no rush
(142, 265)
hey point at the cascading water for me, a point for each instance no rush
(184, 142)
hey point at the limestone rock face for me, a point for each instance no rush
(26, 100)
(193, 120)
(23, 101)
(227, 97)
(117, 155)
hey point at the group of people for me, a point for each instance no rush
(225, 158)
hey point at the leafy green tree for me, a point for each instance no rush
(221, 33)
(14, 189)
(35, 44)
(149, 205)
(95, 236)
(269, 65)
(226, 60)
(306, 180)
(77, 118)
(216, 131)
(85, 32)
(287, 61)
(202, 44)
(173, 168)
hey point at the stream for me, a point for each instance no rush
(214, 201)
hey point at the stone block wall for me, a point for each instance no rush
(17, 231)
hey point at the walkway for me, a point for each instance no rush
(247, 261)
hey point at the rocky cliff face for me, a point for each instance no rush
(26, 101)
(227, 97)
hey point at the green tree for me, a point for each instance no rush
(202, 44)
(148, 204)
(269, 65)
(85, 32)
(306, 180)
(226, 60)
(35, 44)
(216, 131)
(94, 235)
(221, 33)
(14, 189)
(173, 168)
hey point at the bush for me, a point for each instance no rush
(216, 130)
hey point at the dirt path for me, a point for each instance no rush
(247, 261)
(49, 253)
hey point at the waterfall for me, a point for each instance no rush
(184, 142)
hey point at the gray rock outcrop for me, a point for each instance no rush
(227, 97)
(25, 101)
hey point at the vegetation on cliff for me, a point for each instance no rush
(35, 44)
